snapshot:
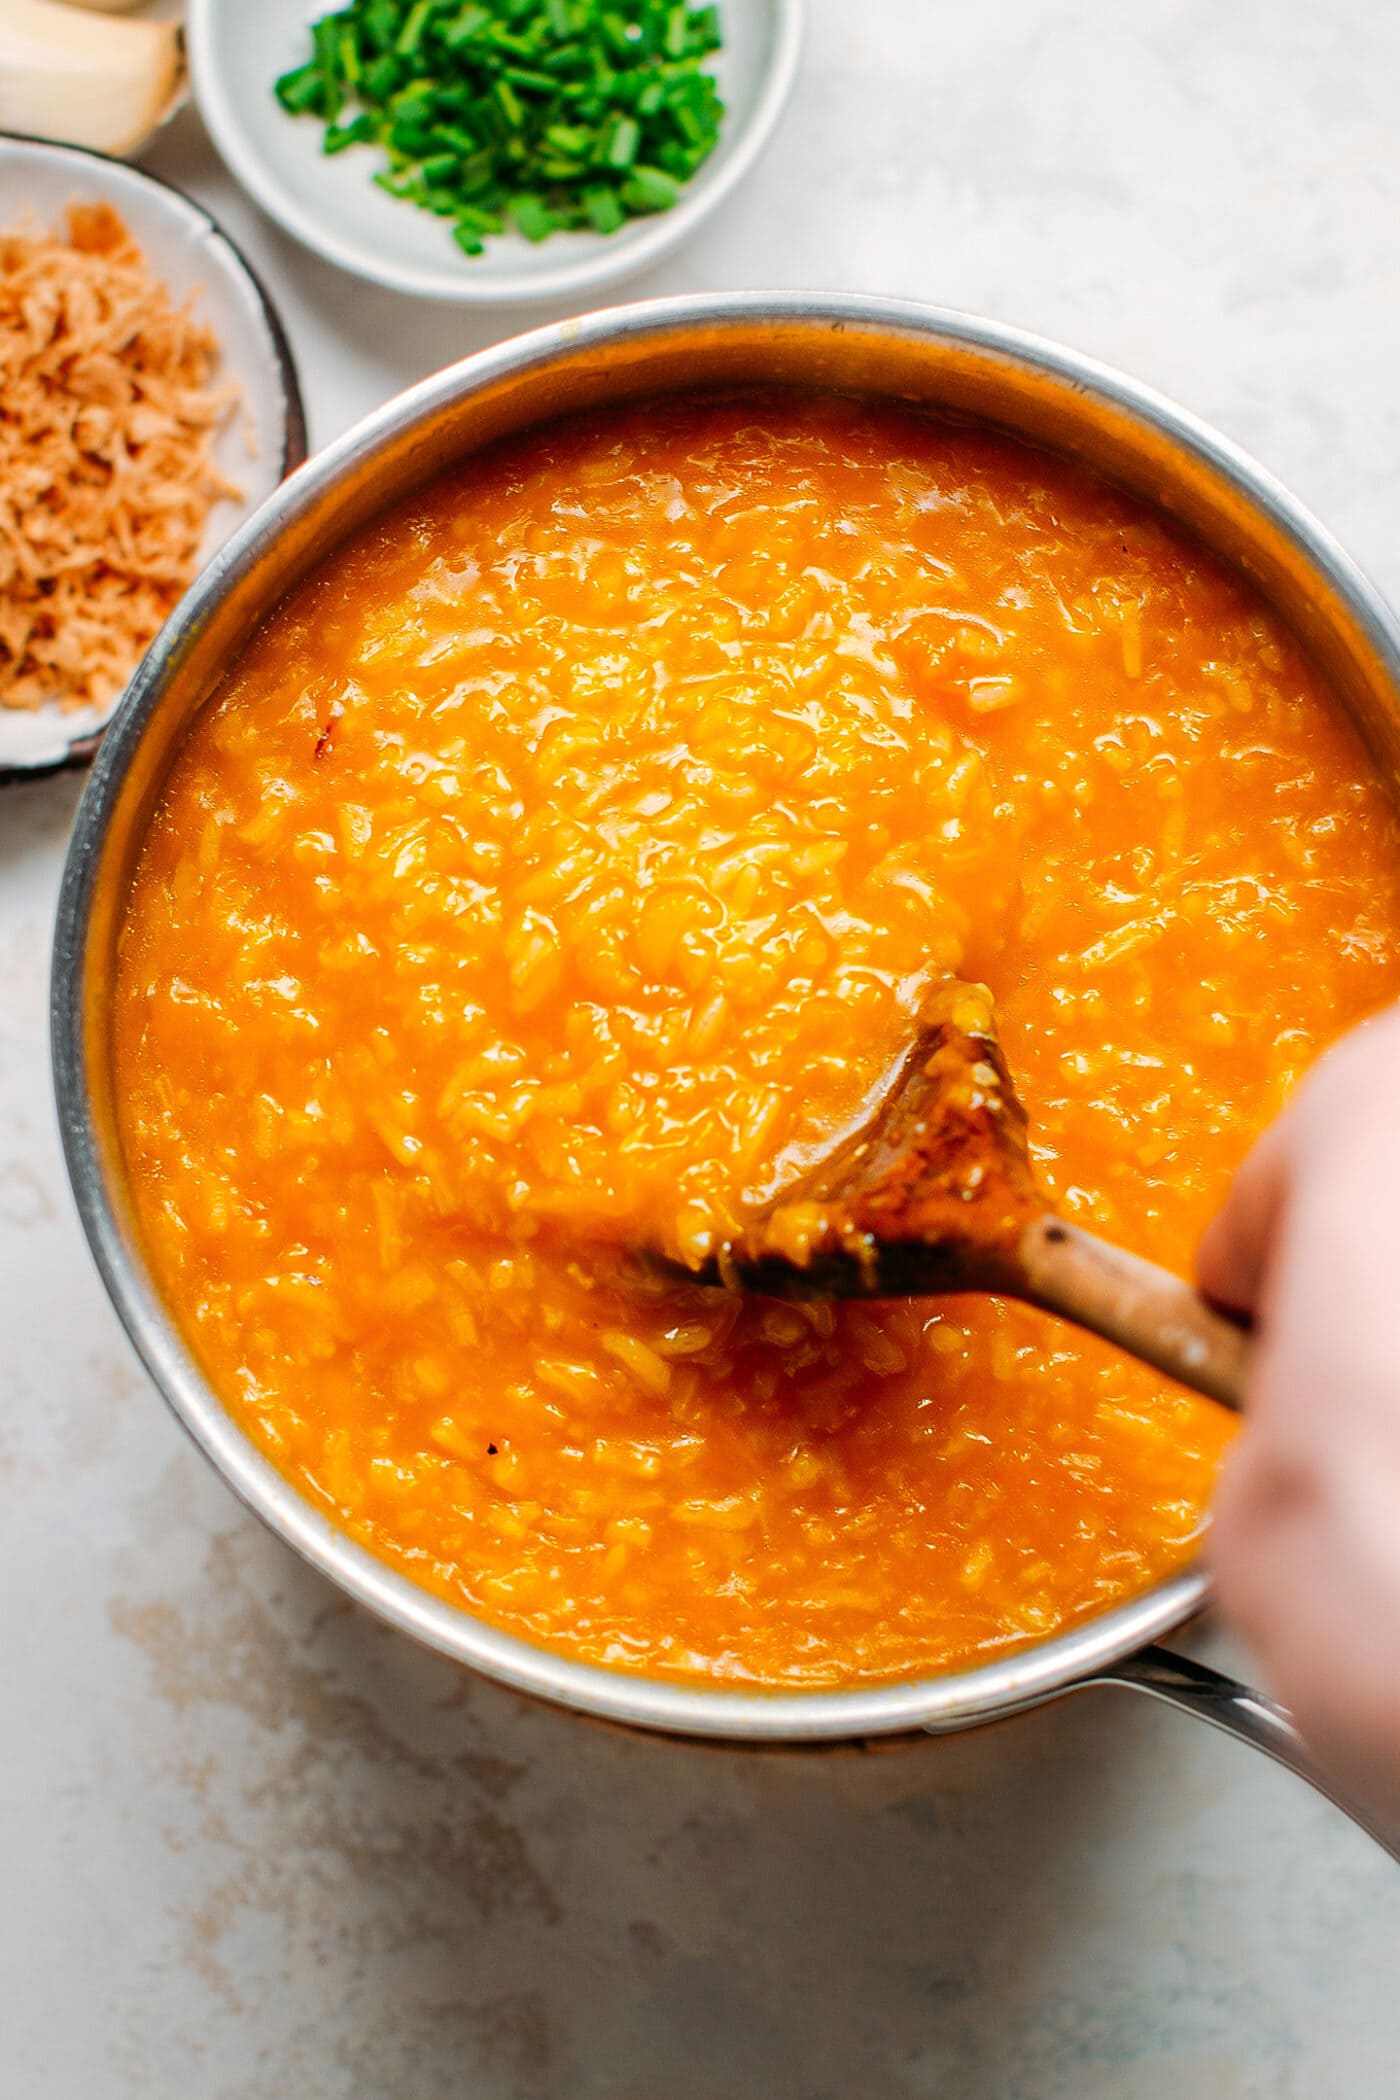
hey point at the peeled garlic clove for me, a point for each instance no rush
(82, 78)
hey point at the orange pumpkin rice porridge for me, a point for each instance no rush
(564, 864)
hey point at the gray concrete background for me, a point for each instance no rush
(256, 1848)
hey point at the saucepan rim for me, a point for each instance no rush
(1001, 1686)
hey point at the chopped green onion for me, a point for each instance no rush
(401, 182)
(477, 173)
(463, 27)
(481, 221)
(380, 21)
(621, 142)
(606, 210)
(411, 35)
(358, 132)
(533, 217)
(349, 54)
(573, 140)
(650, 189)
(410, 138)
(302, 92)
(450, 138)
(325, 42)
(509, 105)
(379, 79)
(521, 76)
(547, 114)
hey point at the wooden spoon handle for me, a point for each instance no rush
(1145, 1310)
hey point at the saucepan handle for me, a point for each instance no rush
(1237, 1711)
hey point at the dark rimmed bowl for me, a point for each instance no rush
(262, 442)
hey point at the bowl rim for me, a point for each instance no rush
(79, 751)
(1003, 1685)
(541, 283)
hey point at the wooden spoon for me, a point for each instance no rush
(937, 1194)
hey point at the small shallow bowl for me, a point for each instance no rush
(262, 441)
(238, 48)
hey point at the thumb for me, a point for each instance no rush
(1236, 1247)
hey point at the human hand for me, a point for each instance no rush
(1306, 1534)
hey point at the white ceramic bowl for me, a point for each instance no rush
(238, 48)
(260, 444)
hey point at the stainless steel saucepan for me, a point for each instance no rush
(872, 346)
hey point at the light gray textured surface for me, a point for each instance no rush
(257, 1849)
